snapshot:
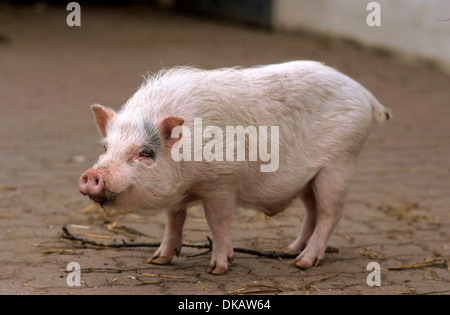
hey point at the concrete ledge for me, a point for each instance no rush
(416, 28)
(413, 28)
(250, 11)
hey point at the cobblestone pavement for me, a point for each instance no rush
(397, 211)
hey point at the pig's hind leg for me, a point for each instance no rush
(308, 224)
(171, 242)
(329, 188)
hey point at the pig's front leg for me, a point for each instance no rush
(171, 242)
(218, 209)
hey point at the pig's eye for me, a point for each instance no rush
(148, 154)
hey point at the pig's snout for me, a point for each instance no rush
(91, 183)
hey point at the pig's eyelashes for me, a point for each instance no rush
(147, 154)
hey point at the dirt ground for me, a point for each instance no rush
(397, 211)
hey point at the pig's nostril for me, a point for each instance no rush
(84, 179)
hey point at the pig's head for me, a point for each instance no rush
(136, 170)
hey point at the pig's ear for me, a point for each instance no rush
(166, 126)
(102, 116)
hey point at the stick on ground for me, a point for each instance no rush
(268, 254)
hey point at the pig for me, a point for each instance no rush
(323, 119)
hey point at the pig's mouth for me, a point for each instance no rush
(105, 198)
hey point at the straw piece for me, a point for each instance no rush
(162, 276)
(256, 288)
(203, 287)
(427, 263)
(8, 188)
(88, 208)
(96, 235)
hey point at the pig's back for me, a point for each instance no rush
(250, 96)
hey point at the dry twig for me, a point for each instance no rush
(427, 263)
(256, 288)
(162, 276)
(143, 282)
(270, 254)
(203, 286)
(8, 188)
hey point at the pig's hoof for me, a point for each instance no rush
(217, 270)
(159, 260)
(304, 262)
(163, 256)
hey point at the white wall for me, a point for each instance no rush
(413, 27)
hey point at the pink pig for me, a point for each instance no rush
(316, 121)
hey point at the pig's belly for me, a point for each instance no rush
(274, 192)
